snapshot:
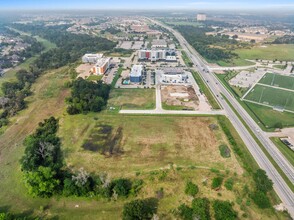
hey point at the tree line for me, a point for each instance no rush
(212, 48)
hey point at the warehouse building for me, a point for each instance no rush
(91, 58)
(136, 74)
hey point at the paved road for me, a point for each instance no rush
(282, 189)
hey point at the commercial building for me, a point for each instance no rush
(173, 75)
(159, 44)
(91, 58)
(157, 54)
(201, 17)
(101, 66)
(136, 74)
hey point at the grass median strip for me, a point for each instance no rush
(205, 90)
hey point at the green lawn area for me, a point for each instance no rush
(282, 67)
(288, 153)
(95, 77)
(186, 59)
(235, 62)
(278, 80)
(132, 98)
(272, 96)
(283, 52)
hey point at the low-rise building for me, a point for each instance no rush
(157, 54)
(201, 17)
(136, 73)
(91, 58)
(101, 66)
(159, 43)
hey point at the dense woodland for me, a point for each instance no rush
(212, 48)
(87, 96)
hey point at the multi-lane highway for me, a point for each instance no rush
(282, 189)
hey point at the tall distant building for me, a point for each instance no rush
(201, 17)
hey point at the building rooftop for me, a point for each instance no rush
(96, 55)
(159, 42)
(136, 70)
(102, 61)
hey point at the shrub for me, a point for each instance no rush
(140, 209)
(216, 182)
(223, 210)
(260, 199)
(200, 207)
(185, 212)
(225, 151)
(229, 184)
(191, 189)
(121, 186)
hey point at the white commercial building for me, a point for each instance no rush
(91, 58)
(159, 43)
(157, 54)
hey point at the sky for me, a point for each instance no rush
(147, 4)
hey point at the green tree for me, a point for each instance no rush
(216, 182)
(42, 182)
(261, 199)
(263, 183)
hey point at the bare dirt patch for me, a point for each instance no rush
(180, 96)
(84, 70)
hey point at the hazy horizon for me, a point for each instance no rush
(151, 4)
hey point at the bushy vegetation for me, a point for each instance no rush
(216, 182)
(229, 183)
(199, 210)
(191, 189)
(87, 96)
(223, 210)
(225, 151)
(263, 185)
(140, 209)
(287, 39)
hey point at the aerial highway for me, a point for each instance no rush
(280, 186)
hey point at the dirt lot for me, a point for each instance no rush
(180, 96)
(84, 70)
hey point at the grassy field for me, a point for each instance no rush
(189, 23)
(95, 77)
(172, 107)
(164, 151)
(235, 62)
(132, 98)
(288, 153)
(272, 96)
(283, 52)
(278, 80)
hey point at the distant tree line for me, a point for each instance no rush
(210, 47)
(87, 96)
(46, 174)
(287, 39)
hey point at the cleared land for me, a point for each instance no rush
(277, 80)
(271, 96)
(132, 99)
(179, 98)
